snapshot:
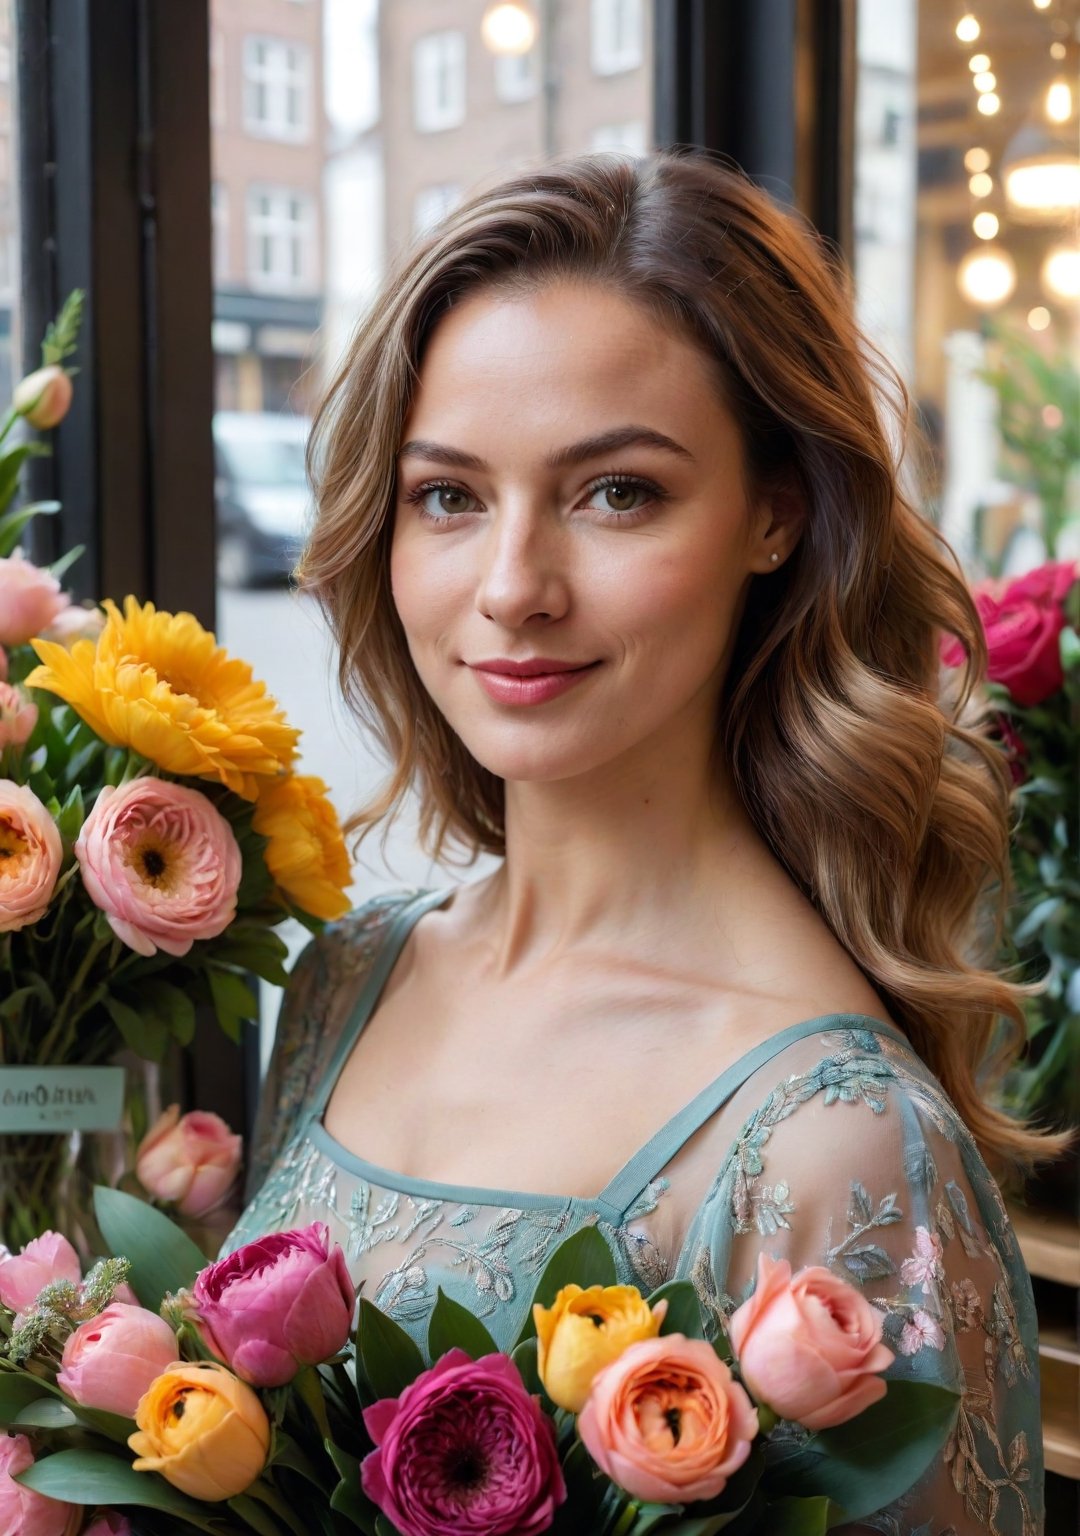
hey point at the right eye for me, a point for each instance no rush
(448, 505)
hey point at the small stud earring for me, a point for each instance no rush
(774, 555)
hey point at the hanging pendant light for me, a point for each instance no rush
(1041, 165)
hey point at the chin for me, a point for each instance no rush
(537, 762)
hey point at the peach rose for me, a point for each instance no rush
(30, 600)
(17, 716)
(110, 1361)
(188, 1160)
(809, 1347)
(667, 1421)
(30, 857)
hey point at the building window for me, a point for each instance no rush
(217, 78)
(627, 138)
(517, 76)
(277, 89)
(219, 215)
(281, 240)
(616, 42)
(432, 204)
(438, 81)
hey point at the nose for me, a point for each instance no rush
(524, 573)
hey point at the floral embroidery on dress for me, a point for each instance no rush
(922, 1332)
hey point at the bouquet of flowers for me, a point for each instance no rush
(155, 829)
(1032, 628)
(238, 1397)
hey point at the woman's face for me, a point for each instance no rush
(570, 493)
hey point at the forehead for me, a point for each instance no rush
(565, 356)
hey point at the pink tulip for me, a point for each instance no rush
(18, 716)
(162, 864)
(22, 1511)
(30, 600)
(75, 622)
(276, 1304)
(32, 855)
(109, 1523)
(189, 1160)
(23, 1275)
(44, 396)
(110, 1361)
(809, 1347)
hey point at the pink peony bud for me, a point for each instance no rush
(17, 716)
(30, 857)
(809, 1347)
(44, 396)
(30, 599)
(109, 1523)
(110, 1361)
(23, 1275)
(22, 1511)
(162, 864)
(188, 1160)
(274, 1305)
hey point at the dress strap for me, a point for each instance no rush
(397, 931)
(635, 1174)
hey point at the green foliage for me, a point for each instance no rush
(452, 1326)
(162, 1257)
(95, 1477)
(583, 1259)
(385, 1354)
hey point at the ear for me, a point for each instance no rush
(779, 520)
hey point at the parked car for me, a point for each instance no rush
(261, 494)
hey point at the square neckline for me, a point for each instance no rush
(684, 1123)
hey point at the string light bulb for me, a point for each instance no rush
(981, 185)
(1041, 5)
(977, 159)
(985, 225)
(1058, 50)
(1059, 102)
(989, 103)
(985, 81)
(987, 276)
(978, 62)
(1061, 273)
(967, 28)
(1038, 318)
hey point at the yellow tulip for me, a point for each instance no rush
(205, 1431)
(585, 1330)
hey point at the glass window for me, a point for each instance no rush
(517, 76)
(10, 340)
(629, 138)
(281, 240)
(616, 39)
(439, 81)
(277, 88)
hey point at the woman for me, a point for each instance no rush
(612, 541)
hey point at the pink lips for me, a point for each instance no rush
(528, 682)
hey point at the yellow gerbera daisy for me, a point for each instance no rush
(306, 853)
(161, 684)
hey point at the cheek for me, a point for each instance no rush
(420, 587)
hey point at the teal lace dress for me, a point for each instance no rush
(831, 1143)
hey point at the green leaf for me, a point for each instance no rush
(525, 1357)
(348, 1498)
(583, 1259)
(453, 1327)
(144, 1035)
(871, 1460)
(48, 1413)
(13, 523)
(254, 949)
(387, 1355)
(800, 1517)
(16, 1393)
(683, 1309)
(162, 1257)
(234, 1002)
(72, 815)
(94, 1477)
(254, 1515)
(170, 1007)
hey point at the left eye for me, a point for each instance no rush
(620, 495)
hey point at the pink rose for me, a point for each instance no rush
(32, 855)
(17, 716)
(22, 1511)
(1022, 621)
(189, 1160)
(276, 1304)
(44, 396)
(464, 1448)
(667, 1421)
(30, 600)
(110, 1361)
(162, 864)
(24, 1275)
(109, 1523)
(809, 1347)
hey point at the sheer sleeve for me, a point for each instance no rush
(860, 1163)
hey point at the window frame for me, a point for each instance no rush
(277, 82)
(281, 229)
(423, 119)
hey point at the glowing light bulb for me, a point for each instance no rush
(1061, 272)
(1058, 50)
(967, 28)
(985, 225)
(985, 81)
(978, 62)
(989, 103)
(981, 185)
(508, 28)
(1038, 318)
(1041, 5)
(1059, 103)
(977, 159)
(987, 276)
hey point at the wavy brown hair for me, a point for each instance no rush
(872, 776)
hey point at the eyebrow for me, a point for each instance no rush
(575, 453)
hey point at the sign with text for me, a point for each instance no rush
(59, 1099)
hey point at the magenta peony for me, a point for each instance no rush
(110, 1361)
(30, 857)
(18, 716)
(162, 864)
(22, 1511)
(277, 1304)
(190, 1161)
(22, 1275)
(464, 1449)
(30, 599)
(809, 1346)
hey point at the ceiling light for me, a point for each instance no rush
(987, 276)
(1059, 103)
(1041, 172)
(1061, 272)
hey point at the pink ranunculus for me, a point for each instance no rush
(809, 1346)
(109, 1523)
(30, 600)
(1022, 621)
(32, 855)
(18, 716)
(110, 1361)
(189, 1160)
(162, 864)
(279, 1303)
(667, 1421)
(464, 1448)
(23, 1275)
(22, 1511)
(44, 396)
